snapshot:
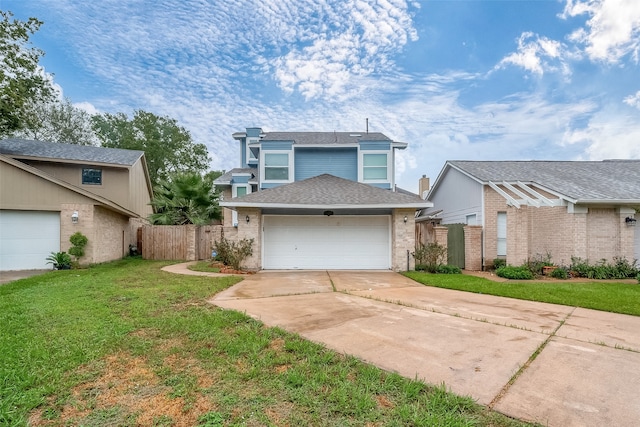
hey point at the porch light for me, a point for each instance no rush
(631, 222)
(405, 219)
(74, 217)
(247, 219)
(328, 213)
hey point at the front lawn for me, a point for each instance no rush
(606, 296)
(126, 344)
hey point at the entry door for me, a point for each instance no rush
(327, 242)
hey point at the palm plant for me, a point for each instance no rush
(185, 198)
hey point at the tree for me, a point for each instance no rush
(186, 198)
(23, 83)
(168, 147)
(59, 122)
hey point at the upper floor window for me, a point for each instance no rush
(276, 166)
(374, 167)
(92, 176)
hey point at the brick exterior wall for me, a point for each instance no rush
(250, 230)
(441, 235)
(108, 233)
(589, 233)
(403, 239)
(473, 247)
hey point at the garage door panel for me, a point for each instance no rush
(308, 242)
(27, 238)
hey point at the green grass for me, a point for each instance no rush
(204, 266)
(124, 344)
(606, 296)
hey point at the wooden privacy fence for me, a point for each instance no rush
(179, 242)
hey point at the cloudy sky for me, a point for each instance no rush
(456, 79)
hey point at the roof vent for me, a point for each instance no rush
(355, 134)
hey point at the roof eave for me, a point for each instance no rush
(418, 205)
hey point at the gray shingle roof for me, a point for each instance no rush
(56, 151)
(583, 181)
(325, 138)
(328, 190)
(225, 179)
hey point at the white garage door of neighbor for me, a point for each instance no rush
(327, 242)
(27, 238)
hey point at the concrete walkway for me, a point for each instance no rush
(552, 364)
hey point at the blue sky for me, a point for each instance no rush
(457, 80)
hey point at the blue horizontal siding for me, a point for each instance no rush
(277, 145)
(310, 162)
(384, 185)
(375, 145)
(240, 179)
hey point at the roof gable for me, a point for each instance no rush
(23, 148)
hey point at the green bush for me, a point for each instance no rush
(430, 256)
(233, 253)
(79, 241)
(499, 262)
(448, 269)
(60, 260)
(560, 273)
(619, 269)
(537, 263)
(511, 272)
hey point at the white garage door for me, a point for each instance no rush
(327, 242)
(27, 238)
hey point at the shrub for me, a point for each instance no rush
(638, 277)
(537, 263)
(60, 260)
(448, 269)
(619, 269)
(499, 262)
(233, 253)
(430, 256)
(511, 272)
(560, 273)
(79, 241)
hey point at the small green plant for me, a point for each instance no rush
(560, 273)
(638, 277)
(517, 273)
(60, 260)
(448, 269)
(499, 262)
(233, 253)
(430, 256)
(78, 242)
(538, 262)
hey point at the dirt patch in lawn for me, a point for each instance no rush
(129, 391)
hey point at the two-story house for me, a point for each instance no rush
(48, 191)
(320, 200)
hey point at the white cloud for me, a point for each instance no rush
(538, 54)
(633, 100)
(608, 136)
(611, 32)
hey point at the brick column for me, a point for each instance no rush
(473, 247)
(441, 233)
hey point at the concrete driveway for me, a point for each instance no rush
(586, 373)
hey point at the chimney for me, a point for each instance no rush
(423, 186)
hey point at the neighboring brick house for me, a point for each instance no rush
(319, 200)
(527, 209)
(48, 191)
